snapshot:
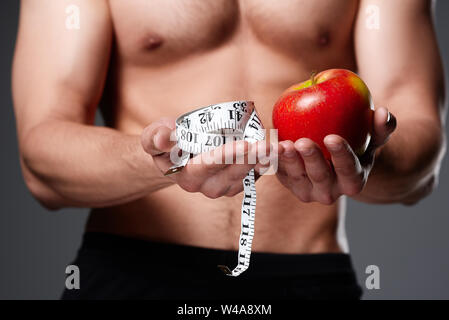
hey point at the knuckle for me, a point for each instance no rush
(354, 188)
(297, 175)
(209, 194)
(304, 197)
(327, 199)
(282, 175)
(210, 166)
(213, 193)
(321, 176)
(237, 175)
(146, 140)
(346, 169)
(190, 186)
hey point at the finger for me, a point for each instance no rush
(317, 169)
(267, 154)
(292, 173)
(235, 172)
(234, 189)
(155, 138)
(207, 164)
(168, 122)
(219, 185)
(259, 155)
(347, 167)
(384, 125)
(269, 163)
(290, 162)
(214, 187)
(228, 180)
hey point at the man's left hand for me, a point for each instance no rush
(304, 170)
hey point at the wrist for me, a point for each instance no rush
(144, 168)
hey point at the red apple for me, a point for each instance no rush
(335, 101)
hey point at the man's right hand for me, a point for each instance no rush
(209, 175)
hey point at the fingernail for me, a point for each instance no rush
(156, 137)
(306, 151)
(241, 146)
(289, 153)
(264, 160)
(334, 146)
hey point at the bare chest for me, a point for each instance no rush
(162, 31)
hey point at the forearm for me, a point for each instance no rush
(406, 166)
(70, 164)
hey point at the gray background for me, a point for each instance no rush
(409, 244)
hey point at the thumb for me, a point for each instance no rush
(384, 125)
(156, 138)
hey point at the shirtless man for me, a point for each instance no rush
(149, 61)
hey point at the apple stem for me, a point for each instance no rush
(312, 77)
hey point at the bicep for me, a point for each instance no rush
(59, 72)
(398, 58)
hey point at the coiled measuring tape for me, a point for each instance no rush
(207, 128)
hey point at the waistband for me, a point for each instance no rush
(149, 254)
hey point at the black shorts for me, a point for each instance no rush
(115, 267)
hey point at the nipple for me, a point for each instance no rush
(324, 39)
(152, 42)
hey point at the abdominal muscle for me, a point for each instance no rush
(144, 94)
(283, 224)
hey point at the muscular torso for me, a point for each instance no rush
(171, 56)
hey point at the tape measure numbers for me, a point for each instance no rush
(210, 127)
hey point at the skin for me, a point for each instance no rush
(151, 61)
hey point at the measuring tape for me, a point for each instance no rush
(207, 128)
